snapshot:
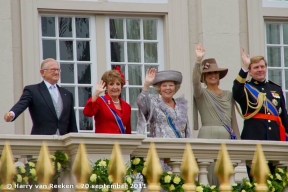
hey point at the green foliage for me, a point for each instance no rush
(100, 180)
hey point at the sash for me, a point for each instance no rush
(117, 118)
(227, 127)
(254, 92)
(171, 124)
(271, 108)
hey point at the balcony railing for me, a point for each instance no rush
(101, 145)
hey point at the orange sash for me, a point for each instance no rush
(273, 118)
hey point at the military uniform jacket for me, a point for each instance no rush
(260, 129)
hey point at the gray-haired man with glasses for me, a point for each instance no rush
(51, 107)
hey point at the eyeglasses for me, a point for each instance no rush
(53, 70)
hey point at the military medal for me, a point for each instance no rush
(275, 102)
(108, 102)
(275, 95)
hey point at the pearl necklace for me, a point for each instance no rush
(116, 102)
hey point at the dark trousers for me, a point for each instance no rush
(270, 165)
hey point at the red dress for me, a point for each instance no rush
(105, 121)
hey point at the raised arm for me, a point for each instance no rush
(239, 82)
(197, 71)
(91, 107)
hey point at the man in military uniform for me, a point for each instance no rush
(262, 103)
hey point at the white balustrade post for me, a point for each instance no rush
(203, 170)
(235, 163)
(175, 165)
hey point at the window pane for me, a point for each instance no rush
(286, 56)
(133, 94)
(134, 72)
(286, 79)
(134, 52)
(49, 49)
(273, 33)
(85, 123)
(48, 26)
(134, 119)
(72, 90)
(66, 50)
(275, 75)
(117, 52)
(152, 91)
(82, 27)
(274, 56)
(84, 93)
(133, 29)
(146, 67)
(83, 51)
(150, 53)
(84, 73)
(67, 73)
(65, 27)
(123, 94)
(116, 29)
(150, 29)
(285, 34)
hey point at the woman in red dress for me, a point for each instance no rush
(111, 113)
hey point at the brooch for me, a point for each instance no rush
(206, 66)
(275, 102)
(108, 102)
(280, 110)
(275, 95)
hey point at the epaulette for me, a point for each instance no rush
(273, 83)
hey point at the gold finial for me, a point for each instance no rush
(224, 169)
(260, 170)
(44, 168)
(7, 169)
(189, 169)
(153, 169)
(81, 168)
(117, 168)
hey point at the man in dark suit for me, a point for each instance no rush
(51, 107)
(262, 103)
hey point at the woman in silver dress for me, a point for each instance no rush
(216, 106)
(165, 116)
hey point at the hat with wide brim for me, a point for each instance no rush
(168, 75)
(210, 65)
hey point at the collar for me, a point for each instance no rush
(48, 85)
(258, 83)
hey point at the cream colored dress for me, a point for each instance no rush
(208, 104)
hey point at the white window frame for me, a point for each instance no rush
(281, 45)
(160, 49)
(276, 4)
(93, 58)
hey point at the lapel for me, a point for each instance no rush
(111, 104)
(64, 100)
(47, 97)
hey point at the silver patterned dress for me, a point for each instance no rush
(153, 114)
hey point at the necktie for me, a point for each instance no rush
(54, 93)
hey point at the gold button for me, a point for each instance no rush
(269, 121)
(269, 128)
(268, 113)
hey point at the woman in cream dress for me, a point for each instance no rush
(216, 106)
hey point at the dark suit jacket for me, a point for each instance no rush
(42, 111)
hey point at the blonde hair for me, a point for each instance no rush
(256, 59)
(46, 61)
(158, 85)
